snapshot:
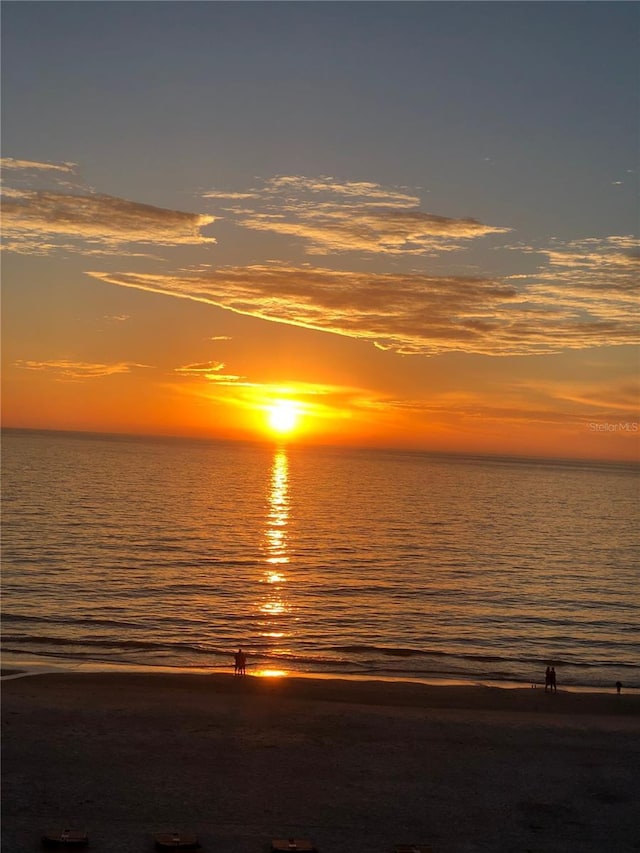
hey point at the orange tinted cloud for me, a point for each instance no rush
(68, 215)
(354, 216)
(391, 232)
(210, 370)
(34, 221)
(32, 165)
(409, 313)
(65, 370)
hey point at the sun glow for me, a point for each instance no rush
(283, 416)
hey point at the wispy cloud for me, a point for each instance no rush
(321, 400)
(363, 192)
(594, 261)
(70, 217)
(228, 195)
(371, 230)
(211, 371)
(615, 400)
(65, 370)
(353, 216)
(596, 279)
(34, 220)
(570, 403)
(408, 313)
(12, 163)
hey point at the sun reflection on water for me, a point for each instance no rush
(274, 602)
(278, 514)
(273, 608)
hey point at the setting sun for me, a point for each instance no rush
(283, 416)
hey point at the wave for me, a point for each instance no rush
(92, 622)
(481, 658)
(298, 664)
(350, 658)
(65, 620)
(111, 644)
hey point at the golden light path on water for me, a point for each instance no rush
(276, 548)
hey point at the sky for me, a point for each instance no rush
(415, 224)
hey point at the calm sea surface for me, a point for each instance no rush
(165, 552)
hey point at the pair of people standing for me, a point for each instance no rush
(550, 679)
(240, 663)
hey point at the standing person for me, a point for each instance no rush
(547, 679)
(554, 688)
(618, 687)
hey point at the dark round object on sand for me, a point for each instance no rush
(176, 841)
(65, 838)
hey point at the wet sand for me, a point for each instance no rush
(355, 766)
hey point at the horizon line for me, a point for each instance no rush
(279, 442)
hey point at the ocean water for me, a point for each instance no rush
(168, 552)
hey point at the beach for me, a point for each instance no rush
(354, 766)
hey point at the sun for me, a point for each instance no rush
(283, 416)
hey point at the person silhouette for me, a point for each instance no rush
(240, 663)
(552, 680)
(547, 679)
(618, 687)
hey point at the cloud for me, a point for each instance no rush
(65, 370)
(71, 217)
(228, 195)
(390, 232)
(364, 192)
(319, 400)
(332, 216)
(598, 277)
(211, 371)
(37, 220)
(12, 163)
(618, 258)
(616, 400)
(408, 313)
(568, 403)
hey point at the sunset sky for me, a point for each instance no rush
(415, 223)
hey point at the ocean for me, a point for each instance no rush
(161, 552)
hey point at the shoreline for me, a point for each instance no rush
(19, 667)
(450, 695)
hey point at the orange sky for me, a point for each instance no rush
(448, 267)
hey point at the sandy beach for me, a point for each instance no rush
(355, 766)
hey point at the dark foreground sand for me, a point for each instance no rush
(355, 766)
